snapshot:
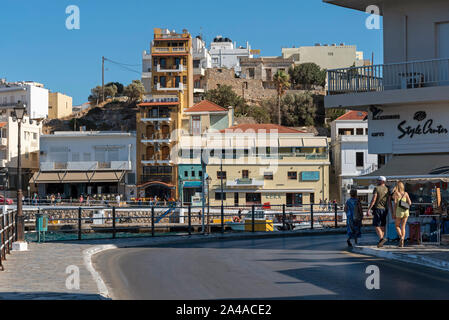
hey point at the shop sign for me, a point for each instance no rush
(422, 128)
(310, 175)
(377, 114)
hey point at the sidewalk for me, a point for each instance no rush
(40, 272)
(425, 255)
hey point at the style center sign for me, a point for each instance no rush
(408, 129)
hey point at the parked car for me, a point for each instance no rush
(8, 201)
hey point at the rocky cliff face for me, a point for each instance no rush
(111, 116)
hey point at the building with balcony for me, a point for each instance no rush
(162, 113)
(59, 105)
(257, 164)
(92, 163)
(31, 130)
(407, 97)
(226, 54)
(350, 156)
(205, 118)
(326, 56)
(33, 94)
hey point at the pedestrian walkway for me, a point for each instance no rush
(426, 255)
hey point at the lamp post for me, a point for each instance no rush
(19, 113)
(208, 180)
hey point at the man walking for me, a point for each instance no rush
(379, 209)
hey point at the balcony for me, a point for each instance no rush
(85, 166)
(180, 87)
(158, 138)
(168, 50)
(174, 68)
(415, 81)
(159, 118)
(158, 158)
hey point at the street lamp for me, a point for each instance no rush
(208, 180)
(19, 113)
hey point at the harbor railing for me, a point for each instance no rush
(7, 233)
(102, 222)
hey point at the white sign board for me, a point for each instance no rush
(408, 129)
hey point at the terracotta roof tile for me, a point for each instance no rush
(353, 115)
(206, 106)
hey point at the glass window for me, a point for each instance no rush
(292, 175)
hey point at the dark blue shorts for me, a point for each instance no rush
(379, 217)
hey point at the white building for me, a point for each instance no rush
(349, 136)
(89, 163)
(226, 54)
(32, 93)
(202, 59)
(407, 97)
(327, 56)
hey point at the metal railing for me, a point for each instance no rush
(79, 223)
(406, 75)
(7, 234)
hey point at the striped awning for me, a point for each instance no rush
(77, 177)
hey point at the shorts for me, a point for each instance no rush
(379, 217)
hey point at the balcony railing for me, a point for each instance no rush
(180, 87)
(169, 50)
(174, 68)
(407, 75)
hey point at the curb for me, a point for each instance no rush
(403, 257)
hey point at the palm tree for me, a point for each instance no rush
(282, 81)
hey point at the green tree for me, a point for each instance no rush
(97, 93)
(134, 91)
(259, 114)
(224, 96)
(298, 109)
(120, 87)
(282, 81)
(307, 75)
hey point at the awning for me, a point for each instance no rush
(413, 167)
(315, 142)
(192, 184)
(77, 177)
(289, 142)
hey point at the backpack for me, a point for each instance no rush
(358, 213)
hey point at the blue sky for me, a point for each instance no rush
(36, 45)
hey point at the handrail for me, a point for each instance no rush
(7, 233)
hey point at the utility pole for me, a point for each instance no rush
(102, 78)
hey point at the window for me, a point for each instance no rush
(268, 175)
(245, 174)
(34, 136)
(75, 156)
(155, 80)
(292, 175)
(253, 198)
(345, 132)
(312, 198)
(221, 174)
(200, 173)
(359, 159)
(186, 174)
(331, 54)
(380, 160)
(246, 152)
(251, 73)
(193, 173)
(359, 131)
(220, 196)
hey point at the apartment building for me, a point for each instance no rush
(91, 163)
(33, 94)
(350, 156)
(407, 97)
(30, 132)
(267, 163)
(161, 118)
(327, 56)
(59, 105)
(226, 54)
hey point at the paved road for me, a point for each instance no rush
(291, 268)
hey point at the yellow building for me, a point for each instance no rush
(264, 163)
(161, 115)
(59, 105)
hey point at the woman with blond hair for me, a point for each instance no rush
(401, 210)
